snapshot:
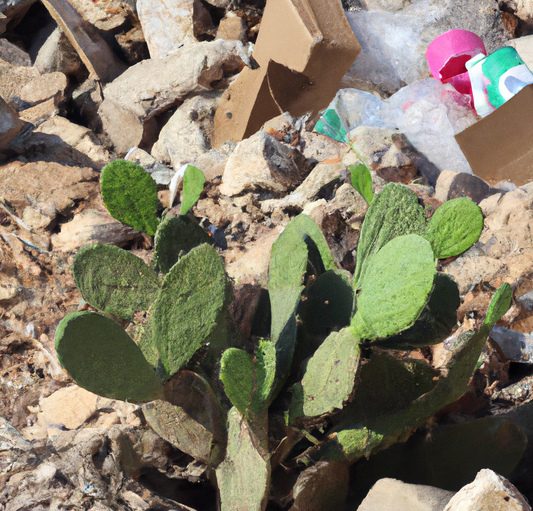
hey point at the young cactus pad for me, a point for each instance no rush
(454, 227)
(193, 185)
(190, 307)
(101, 357)
(115, 281)
(394, 288)
(130, 195)
(248, 382)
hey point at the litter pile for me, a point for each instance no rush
(277, 103)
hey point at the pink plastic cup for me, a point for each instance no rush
(448, 53)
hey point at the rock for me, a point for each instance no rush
(86, 99)
(13, 79)
(105, 16)
(524, 47)
(516, 346)
(95, 53)
(58, 55)
(186, 137)
(232, 28)
(169, 25)
(451, 185)
(321, 183)
(92, 226)
(523, 9)
(392, 63)
(133, 45)
(490, 492)
(318, 148)
(40, 191)
(387, 153)
(10, 124)
(262, 163)
(160, 173)
(39, 113)
(12, 12)
(152, 86)
(386, 5)
(14, 55)
(71, 407)
(78, 137)
(47, 86)
(393, 495)
(15, 451)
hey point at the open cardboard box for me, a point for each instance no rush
(500, 146)
(303, 50)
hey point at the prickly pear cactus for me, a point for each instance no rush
(114, 281)
(102, 358)
(193, 185)
(130, 195)
(175, 237)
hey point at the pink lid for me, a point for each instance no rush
(448, 53)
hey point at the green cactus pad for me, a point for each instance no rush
(243, 477)
(248, 383)
(115, 281)
(499, 305)
(394, 212)
(395, 288)
(362, 181)
(435, 323)
(193, 185)
(319, 253)
(454, 227)
(190, 308)
(103, 359)
(175, 237)
(130, 195)
(328, 303)
(330, 374)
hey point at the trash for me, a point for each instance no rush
(448, 53)
(427, 112)
(497, 78)
(499, 146)
(303, 50)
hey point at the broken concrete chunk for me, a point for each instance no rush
(263, 163)
(303, 50)
(488, 491)
(10, 124)
(99, 59)
(232, 28)
(168, 25)
(152, 86)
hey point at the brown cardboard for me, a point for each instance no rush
(500, 146)
(303, 49)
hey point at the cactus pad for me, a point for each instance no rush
(454, 227)
(115, 281)
(394, 212)
(130, 195)
(362, 181)
(190, 307)
(103, 359)
(174, 238)
(193, 185)
(330, 374)
(395, 288)
(244, 475)
(248, 383)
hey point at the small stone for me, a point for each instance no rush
(10, 124)
(58, 55)
(393, 495)
(490, 492)
(47, 86)
(262, 163)
(387, 152)
(39, 113)
(232, 28)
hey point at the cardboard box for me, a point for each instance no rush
(303, 50)
(500, 146)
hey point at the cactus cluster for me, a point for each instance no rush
(323, 368)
